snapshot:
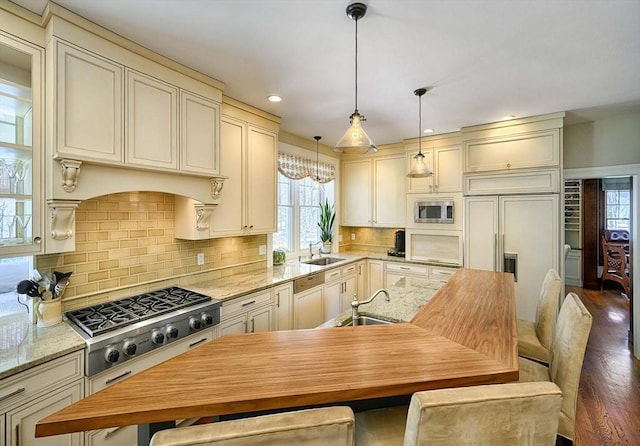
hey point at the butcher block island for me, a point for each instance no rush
(464, 335)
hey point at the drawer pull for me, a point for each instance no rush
(112, 431)
(14, 393)
(405, 268)
(110, 380)
(200, 341)
(248, 303)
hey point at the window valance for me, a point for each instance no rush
(296, 168)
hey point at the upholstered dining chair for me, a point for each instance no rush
(534, 338)
(499, 414)
(327, 426)
(565, 366)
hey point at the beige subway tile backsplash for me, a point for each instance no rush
(125, 245)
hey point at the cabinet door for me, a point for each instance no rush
(481, 229)
(89, 109)
(376, 277)
(260, 320)
(199, 134)
(389, 204)
(307, 308)
(21, 422)
(114, 436)
(21, 148)
(447, 162)
(152, 122)
(529, 228)
(332, 299)
(234, 325)
(227, 218)
(284, 307)
(261, 180)
(350, 289)
(356, 193)
(362, 282)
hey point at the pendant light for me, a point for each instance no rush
(356, 140)
(316, 181)
(419, 168)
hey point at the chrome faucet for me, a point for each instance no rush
(355, 303)
(311, 245)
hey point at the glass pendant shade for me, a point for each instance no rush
(356, 140)
(419, 168)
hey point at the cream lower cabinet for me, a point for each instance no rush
(308, 309)
(362, 284)
(373, 192)
(248, 200)
(248, 314)
(394, 272)
(283, 296)
(29, 396)
(518, 234)
(340, 287)
(375, 276)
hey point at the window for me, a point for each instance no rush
(617, 211)
(299, 212)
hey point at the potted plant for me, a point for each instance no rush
(279, 256)
(327, 219)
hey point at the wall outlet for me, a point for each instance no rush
(200, 258)
(340, 238)
(353, 236)
(262, 250)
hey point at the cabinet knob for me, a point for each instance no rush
(37, 240)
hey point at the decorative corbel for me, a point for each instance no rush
(70, 174)
(62, 214)
(216, 186)
(203, 212)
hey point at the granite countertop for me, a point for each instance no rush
(406, 297)
(24, 345)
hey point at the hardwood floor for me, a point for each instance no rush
(608, 411)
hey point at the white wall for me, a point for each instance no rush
(610, 141)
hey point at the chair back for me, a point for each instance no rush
(547, 309)
(314, 427)
(615, 252)
(567, 354)
(513, 414)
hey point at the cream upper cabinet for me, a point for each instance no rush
(199, 134)
(152, 117)
(385, 207)
(356, 193)
(21, 145)
(446, 165)
(87, 104)
(261, 180)
(520, 144)
(248, 200)
(110, 106)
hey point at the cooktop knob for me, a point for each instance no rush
(195, 323)
(172, 332)
(112, 355)
(207, 319)
(157, 337)
(130, 348)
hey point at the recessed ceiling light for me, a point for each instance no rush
(427, 131)
(274, 98)
(508, 117)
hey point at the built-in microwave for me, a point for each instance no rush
(435, 211)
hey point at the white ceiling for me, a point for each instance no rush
(484, 58)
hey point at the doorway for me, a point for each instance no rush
(594, 221)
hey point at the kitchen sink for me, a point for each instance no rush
(323, 261)
(366, 320)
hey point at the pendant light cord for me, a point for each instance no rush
(420, 124)
(356, 66)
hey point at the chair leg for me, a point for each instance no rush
(562, 441)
